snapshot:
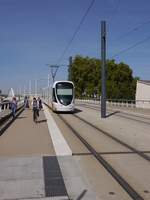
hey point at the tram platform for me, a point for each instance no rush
(35, 164)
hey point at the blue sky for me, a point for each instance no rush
(34, 33)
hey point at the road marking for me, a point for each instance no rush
(60, 145)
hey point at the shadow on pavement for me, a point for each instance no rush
(70, 112)
(76, 110)
(113, 113)
(81, 195)
(20, 117)
(41, 121)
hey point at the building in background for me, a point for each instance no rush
(143, 94)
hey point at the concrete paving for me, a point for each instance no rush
(60, 144)
(22, 148)
(24, 137)
(75, 183)
(24, 144)
(21, 177)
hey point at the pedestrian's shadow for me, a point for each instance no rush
(41, 121)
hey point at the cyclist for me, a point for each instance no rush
(35, 109)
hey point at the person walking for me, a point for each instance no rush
(35, 106)
(14, 106)
(26, 102)
(40, 103)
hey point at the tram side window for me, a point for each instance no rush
(54, 96)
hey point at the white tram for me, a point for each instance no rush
(62, 96)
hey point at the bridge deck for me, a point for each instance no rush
(24, 137)
(29, 165)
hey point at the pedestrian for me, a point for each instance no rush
(14, 106)
(35, 106)
(26, 102)
(1, 100)
(40, 103)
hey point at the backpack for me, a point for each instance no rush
(34, 104)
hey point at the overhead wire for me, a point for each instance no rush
(115, 11)
(136, 28)
(76, 31)
(131, 47)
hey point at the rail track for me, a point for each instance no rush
(129, 116)
(125, 185)
(146, 157)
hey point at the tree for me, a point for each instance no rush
(85, 72)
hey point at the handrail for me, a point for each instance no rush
(7, 105)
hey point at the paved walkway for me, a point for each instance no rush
(29, 166)
(24, 137)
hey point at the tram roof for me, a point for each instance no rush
(62, 82)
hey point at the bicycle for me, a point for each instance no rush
(35, 115)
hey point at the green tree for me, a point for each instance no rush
(85, 72)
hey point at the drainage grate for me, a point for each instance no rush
(54, 183)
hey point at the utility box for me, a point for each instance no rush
(143, 94)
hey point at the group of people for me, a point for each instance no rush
(36, 106)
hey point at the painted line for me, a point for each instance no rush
(60, 145)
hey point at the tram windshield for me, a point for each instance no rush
(64, 92)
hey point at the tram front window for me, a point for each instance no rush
(64, 93)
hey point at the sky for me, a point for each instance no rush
(34, 33)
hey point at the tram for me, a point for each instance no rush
(62, 96)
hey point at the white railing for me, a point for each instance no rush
(5, 107)
(145, 104)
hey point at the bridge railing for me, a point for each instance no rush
(122, 103)
(5, 107)
(119, 102)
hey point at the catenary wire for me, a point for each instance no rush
(130, 47)
(136, 28)
(76, 31)
(115, 11)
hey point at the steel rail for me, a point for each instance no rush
(146, 157)
(146, 118)
(125, 185)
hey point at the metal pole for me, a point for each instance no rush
(20, 91)
(54, 69)
(103, 73)
(48, 83)
(70, 68)
(30, 87)
(35, 88)
(24, 90)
